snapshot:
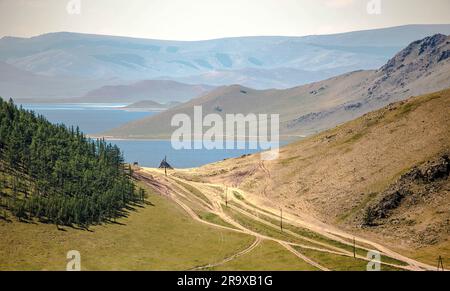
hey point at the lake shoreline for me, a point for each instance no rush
(289, 139)
(93, 119)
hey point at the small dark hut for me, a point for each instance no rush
(165, 165)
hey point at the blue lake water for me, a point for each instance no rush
(91, 118)
(96, 118)
(150, 153)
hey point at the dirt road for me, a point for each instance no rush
(212, 200)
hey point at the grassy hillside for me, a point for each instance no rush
(159, 236)
(337, 175)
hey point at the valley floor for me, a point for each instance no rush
(313, 245)
(156, 237)
(193, 226)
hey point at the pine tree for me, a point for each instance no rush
(58, 174)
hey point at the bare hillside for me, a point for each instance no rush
(384, 174)
(423, 67)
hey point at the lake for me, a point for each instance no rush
(91, 118)
(97, 118)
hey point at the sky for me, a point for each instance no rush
(209, 19)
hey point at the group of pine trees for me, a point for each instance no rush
(57, 174)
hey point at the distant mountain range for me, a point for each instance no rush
(21, 84)
(160, 91)
(69, 65)
(422, 67)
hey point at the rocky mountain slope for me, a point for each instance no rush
(426, 184)
(422, 67)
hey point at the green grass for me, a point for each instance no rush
(288, 161)
(389, 260)
(195, 191)
(267, 230)
(257, 226)
(363, 252)
(268, 256)
(302, 232)
(255, 213)
(214, 218)
(339, 263)
(305, 232)
(359, 207)
(158, 237)
(10, 177)
(264, 229)
(408, 107)
(320, 238)
(355, 137)
(349, 248)
(414, 104)
(430, 254)
(258, 208)
(238, 196)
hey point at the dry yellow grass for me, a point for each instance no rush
(333, 176)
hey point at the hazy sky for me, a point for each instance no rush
(206, 19)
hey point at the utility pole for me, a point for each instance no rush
(281, 219)
(226, 196)
(440, 264)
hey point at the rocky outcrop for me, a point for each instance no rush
(416, 62)
(418, 182)
(421, 53)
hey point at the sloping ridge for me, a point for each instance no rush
(384, 175)
(422, 67)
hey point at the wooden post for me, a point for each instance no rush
(226, 196)
(281, 219)
(440, 264)
(354, 248)
(165, 170)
